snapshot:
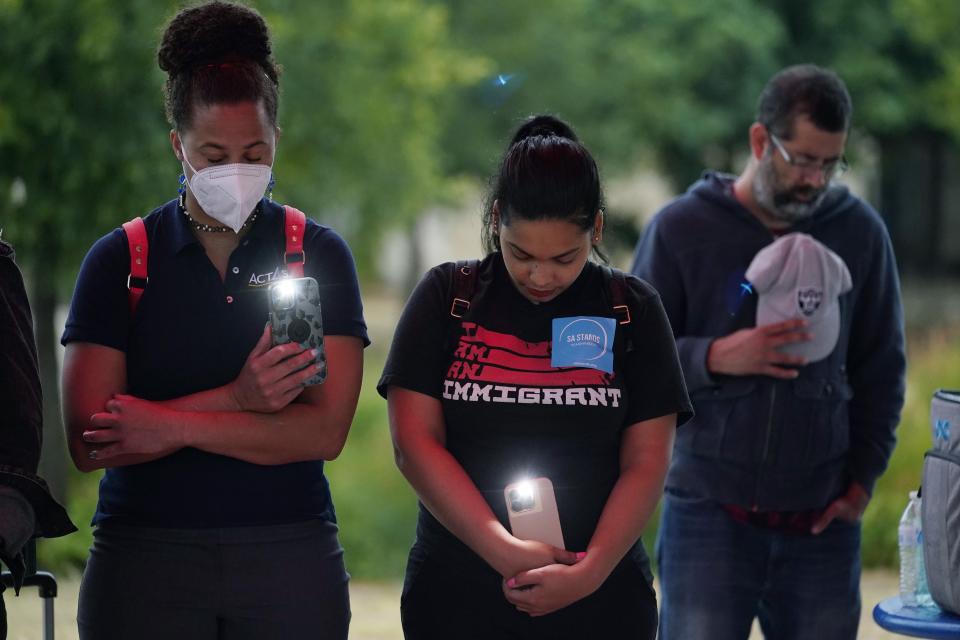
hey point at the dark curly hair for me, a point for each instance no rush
(214, 53)
(546, 173)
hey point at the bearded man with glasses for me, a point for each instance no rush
(795, 417)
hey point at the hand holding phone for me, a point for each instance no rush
(295, 317)
(532, 511)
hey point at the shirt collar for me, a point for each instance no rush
(182, 236)
(266, 223)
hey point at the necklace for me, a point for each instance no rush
(211, 228)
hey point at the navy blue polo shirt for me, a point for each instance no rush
(192, 332)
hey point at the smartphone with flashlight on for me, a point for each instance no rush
(295, 317)
(532, 511)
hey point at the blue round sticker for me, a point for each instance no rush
(583, 341)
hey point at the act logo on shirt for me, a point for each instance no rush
(263, 279)
(583, 341)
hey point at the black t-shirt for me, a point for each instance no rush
(192, 331)
(509, 413)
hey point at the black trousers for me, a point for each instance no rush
(278, 582)
(442, 600)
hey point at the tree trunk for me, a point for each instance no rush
(414, 268)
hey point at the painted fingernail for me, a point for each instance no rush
(512, 582)
(581, 555)
(315, 352)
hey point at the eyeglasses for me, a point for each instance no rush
(828, 170)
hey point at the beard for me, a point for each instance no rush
(788, 204)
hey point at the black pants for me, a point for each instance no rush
(283, 581)
(442, 600)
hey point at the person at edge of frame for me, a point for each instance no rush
(27, 509)
(480, 401)
(769, 481)
(214, 517)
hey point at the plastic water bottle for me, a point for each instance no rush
(924, 599)
(911, 553)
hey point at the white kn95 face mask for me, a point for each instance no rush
(228, 193)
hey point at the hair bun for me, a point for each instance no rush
(212, 33)
(543, 125)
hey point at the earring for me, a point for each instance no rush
(270, 186)
(182, 184)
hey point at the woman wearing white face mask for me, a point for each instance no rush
(214, 518)
(228, 194)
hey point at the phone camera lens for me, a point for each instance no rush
(284, 294)
(521, 501)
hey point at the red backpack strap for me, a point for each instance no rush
(137, 241)
(294, 227)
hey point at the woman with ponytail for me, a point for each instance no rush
(214, 518)
(533, 363)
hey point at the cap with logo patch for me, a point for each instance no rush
(798, 277)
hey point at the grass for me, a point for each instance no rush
(377, 510)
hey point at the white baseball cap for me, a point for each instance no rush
(798, 277)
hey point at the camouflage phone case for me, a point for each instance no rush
(295, 317)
